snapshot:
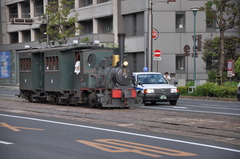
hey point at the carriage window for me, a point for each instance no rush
(51, 63)
(25, 64)
(91, 60)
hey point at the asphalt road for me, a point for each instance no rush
(26, 137)
(201, 106)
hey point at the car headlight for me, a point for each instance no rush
(148, 91)
(174, 90)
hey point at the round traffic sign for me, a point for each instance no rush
(145, 69)
(154, 33)
(157, 53)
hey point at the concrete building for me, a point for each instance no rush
(103, 19)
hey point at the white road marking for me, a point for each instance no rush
(179, 107)
(211, 106)
(5, 143)
(123, 132)
(189, 110)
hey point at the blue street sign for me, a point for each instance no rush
(145, 69)
(5, 64)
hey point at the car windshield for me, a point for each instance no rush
(151, 79)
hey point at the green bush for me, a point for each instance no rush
(206, 89)
(210, 89)
(213, 90)
(223, 91)
(230, 84)
(190, 83)
(212, 75)
(183, 89)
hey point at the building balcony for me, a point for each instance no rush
(94, 38)
(94, 11)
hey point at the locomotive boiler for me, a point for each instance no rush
(82, 74)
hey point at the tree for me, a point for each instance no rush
(237, 68)
(60, 21)
(211, 52)
(225, 15)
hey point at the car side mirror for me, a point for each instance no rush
(175, 83)
(140, 83)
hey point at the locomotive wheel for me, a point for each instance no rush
(30, 98)
(93, 99)
(55, 101)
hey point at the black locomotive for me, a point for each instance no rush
(75, 75)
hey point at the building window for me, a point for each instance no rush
(210, 24)
(37, 34)
(25, 64)
(13, 37)
(105, 25)
(87, 2)
(180, 21)
(87, 27)
(51, 63)
(102, 1)
(134, 24)
(70, 5)
(54, 5)
(180, 63)
(25, 9)
(13, 11)
(38, 8)
(26, 35)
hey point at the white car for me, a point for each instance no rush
(153, 88)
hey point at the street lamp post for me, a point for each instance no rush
(194, 10)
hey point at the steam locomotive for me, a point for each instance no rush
(82, 74)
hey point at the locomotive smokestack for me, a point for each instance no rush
(121, 40)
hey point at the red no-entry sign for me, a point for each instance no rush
(157, 55)
(154, 34)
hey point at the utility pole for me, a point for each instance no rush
(150, 41)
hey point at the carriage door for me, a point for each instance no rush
(77, 71)
(38, 70)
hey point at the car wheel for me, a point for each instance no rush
(153, 102)
(173, 102)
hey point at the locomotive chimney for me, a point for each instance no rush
(121, 40)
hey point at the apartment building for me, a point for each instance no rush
(102, 20)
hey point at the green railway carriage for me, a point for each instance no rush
(31, 72)
(58, 66)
